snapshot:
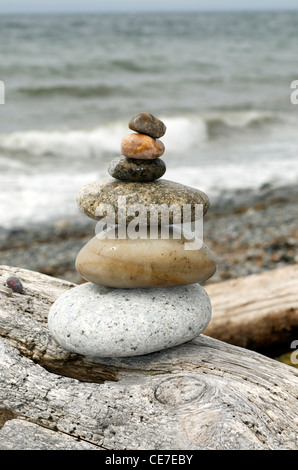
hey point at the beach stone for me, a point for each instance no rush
(142, 263)
(141, 146)
(98, 321)
(97, 198)
(15, 285)
(146, 123)
(129, 169)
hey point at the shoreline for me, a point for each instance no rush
(248, 231)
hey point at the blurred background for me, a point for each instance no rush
(217, 73)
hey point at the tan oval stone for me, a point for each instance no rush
(92, 197)
(143, 263)
(141, 146)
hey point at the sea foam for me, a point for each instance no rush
(41, 171)
(184, 134)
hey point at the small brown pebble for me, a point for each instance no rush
(15, 284)
(146, 123)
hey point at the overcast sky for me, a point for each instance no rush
(74, 6)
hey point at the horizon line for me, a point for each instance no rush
(136, 11)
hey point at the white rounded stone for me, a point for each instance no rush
(100, 321)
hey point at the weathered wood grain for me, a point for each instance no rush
(205, 394)
(19, 434)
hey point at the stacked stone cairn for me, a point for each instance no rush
(142, 293)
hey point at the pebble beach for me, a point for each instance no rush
(248, 232)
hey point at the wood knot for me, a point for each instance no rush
(179, 390)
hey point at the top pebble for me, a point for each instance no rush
(146, 123)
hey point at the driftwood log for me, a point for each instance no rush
(258, 312)
(205, 394)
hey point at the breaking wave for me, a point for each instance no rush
(184, 133)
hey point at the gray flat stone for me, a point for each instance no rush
(99, 194)
(98, 321)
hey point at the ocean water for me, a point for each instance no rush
(219, 81)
